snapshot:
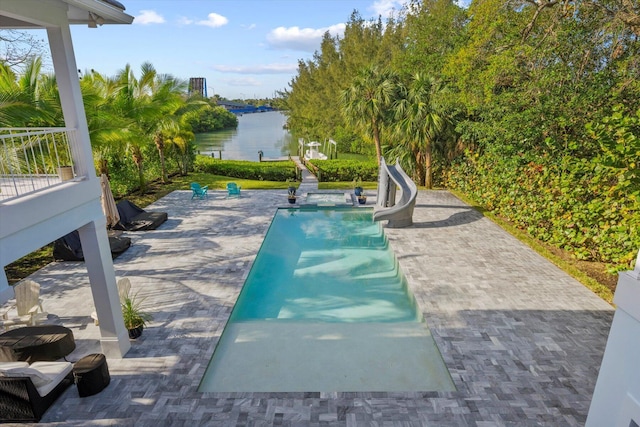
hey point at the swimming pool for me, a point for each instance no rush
(326, 307)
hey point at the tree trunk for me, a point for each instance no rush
(104, 167)
(420, 168)
(137, 159)
(159, 140)
(427, 168)
(376, 140)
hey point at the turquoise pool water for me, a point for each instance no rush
(326, 307)
(330, 265)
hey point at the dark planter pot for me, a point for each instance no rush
(292, 200)
(362, 200)
(358, 191)
(135, 332)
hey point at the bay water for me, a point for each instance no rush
(255, 132)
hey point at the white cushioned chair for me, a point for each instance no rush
(27, 391)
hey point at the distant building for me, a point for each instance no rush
(198, 85)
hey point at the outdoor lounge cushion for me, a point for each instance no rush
(55, 372)
(12, 370)
(133, 218)
(69, 248)
(27, 392)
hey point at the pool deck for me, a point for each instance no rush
(523, 341)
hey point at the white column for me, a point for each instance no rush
(616, 398)
(66, 70)
(95, 243)
(97, 256)
(636, 271)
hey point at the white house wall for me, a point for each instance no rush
(616, 398)
(33, 221)
(29, 223)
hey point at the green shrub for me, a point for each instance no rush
(346, 170)
(265, 171)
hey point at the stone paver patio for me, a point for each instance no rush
(522, 340)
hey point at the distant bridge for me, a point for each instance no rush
(238, 108)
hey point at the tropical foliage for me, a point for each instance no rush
(530, 107)
(141, 126)
(210, 118)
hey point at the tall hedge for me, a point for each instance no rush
(263, 171)
(346, 170)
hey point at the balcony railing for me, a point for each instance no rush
(32, 159)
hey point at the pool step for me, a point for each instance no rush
(289, 356)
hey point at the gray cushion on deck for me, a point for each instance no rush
(133, 218)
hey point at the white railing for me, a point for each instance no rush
(32, 159)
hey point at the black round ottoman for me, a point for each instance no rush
(91, 374)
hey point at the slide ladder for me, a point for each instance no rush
(398, 214)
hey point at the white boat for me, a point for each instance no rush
(312, 151)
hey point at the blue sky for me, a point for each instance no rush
(244, 48)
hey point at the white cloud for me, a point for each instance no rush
(385, 8)
(214, 21)
(245, 81)
(258, 69)
(147, 17)
(183, 20)
(248, 27)
(304, 39)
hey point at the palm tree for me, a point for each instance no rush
(129, 113)
(30, 99)
(367, 103)
(182, 146)
(129, 105)
(167, 93)
(107, 127)
(147, 104)
(419, 124)
(15, 110)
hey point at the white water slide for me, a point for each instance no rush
(390, 178)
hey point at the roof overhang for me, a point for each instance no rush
(24, 14)
(111, 11)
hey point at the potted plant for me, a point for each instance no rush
(292, 188)
(134, 318)
(357, 186)
(362, 199)
(291, 195)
